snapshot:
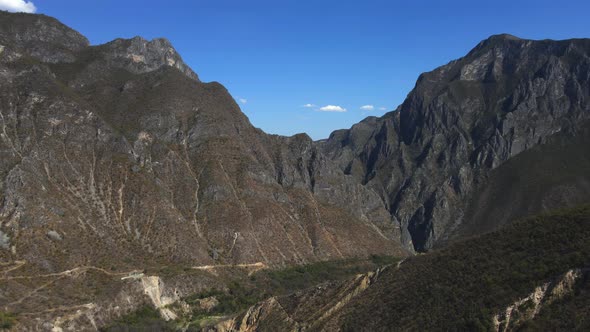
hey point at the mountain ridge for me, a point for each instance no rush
(123, 118)
(460, 121)
(117, 157)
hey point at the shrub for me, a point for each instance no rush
(7, 320)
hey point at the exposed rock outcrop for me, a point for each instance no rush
(527, 308)
(305, 310)
(154, 288)
(461, 121)
(139, 56)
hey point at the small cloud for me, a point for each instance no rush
(367, 107)
(309, 105)
(332, 108)
(18, 6)
(241, 100)
(383, 108)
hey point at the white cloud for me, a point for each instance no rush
(241, 100)
(383, 108)
(17, 6)
(309, 106)
(332, 108)
(367, 107)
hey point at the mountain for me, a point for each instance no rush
(532, 275)
(118, 150)
(117, 159)
(429, 158)
(126, 182)
(548, 176)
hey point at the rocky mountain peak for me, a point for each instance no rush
(462, 120)
(504, 36)
(40, 36)
(139, 55)
(499, 40)
(49, 40)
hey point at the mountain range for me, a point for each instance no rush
(121, 172)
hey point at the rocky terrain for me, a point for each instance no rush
(126, 181)
(532, 275)
(119, 149)
(428, 158)
(117, 159)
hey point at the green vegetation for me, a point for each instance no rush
(234, 299)
(464, 285)
(7, 320)
(245, 291)
(571, 313)
(291, 279)
(381, 260)
(240, 295)
(145, 318)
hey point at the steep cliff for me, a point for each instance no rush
(462, 120)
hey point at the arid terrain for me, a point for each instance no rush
(134, 196)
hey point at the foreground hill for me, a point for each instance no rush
(531, 275)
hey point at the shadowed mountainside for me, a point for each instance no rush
(462, 120)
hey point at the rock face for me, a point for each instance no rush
(528, 308)
(304, 310)
(153, 288)
(131, 122)
(117, 159)
(140, 56)
(461, 121)
(121, 151)
(549, 176)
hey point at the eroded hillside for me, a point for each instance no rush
(127, 183)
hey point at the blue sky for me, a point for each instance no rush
(281, 55)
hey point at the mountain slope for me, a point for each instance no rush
(461, 121)
(519, 276)
(549, 176)
(118, 160)
(126, 181)
(123, 152)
